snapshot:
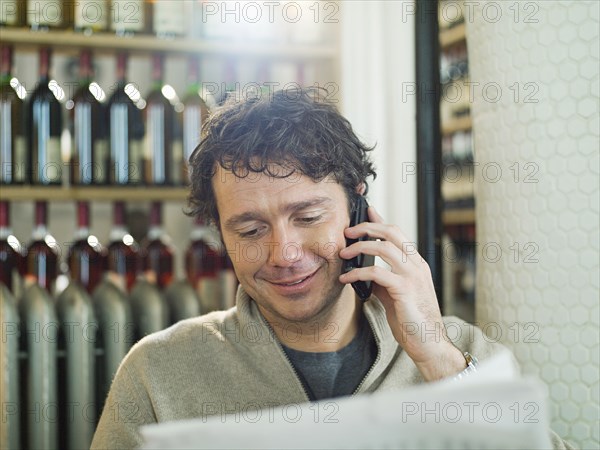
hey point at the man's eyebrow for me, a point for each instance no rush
(288, 208)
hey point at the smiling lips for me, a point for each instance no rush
(295, 282)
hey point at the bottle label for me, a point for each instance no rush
(49, 164)
(82, 142)
(90, 14)
(209, 291)
(8, 12)
(100, 161)
(229, 288)
(6, 171)
(192, 124)
(155, 144)
(169, 18)
(177, 167)
(45, 13)
(136, 163)
(127, 16)
(21, 162)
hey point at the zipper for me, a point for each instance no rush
(377, 358)
(286, 357)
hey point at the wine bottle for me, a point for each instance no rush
(123, 251)
(41, 262)
(90, 163)
(43, 15)
(87, 257)
(195, 113)
(203, 264)
(11, 13)
(169, 18)
(11, 252)
(129, 17)
(158, 250)
(90, 16)
(13, 143)
(163, 159)
(45, 127)
(126, 131)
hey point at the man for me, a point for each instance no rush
(279, 176)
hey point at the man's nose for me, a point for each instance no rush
(285, 247)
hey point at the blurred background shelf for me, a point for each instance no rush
(457, 124)
(103, 193)
(109, 43)
(452, 35)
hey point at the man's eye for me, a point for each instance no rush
(249, 234)
(309, 220)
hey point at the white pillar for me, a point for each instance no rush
(377, 95)
(536, 134)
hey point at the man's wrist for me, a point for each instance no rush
(471, 368)
(448, 364)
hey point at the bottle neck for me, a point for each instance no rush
(5, 78)
(5, 232)
(117, 233)
(82, 233)
(39, 232)
(155, 232)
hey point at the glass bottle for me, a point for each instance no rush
(158, 251)
(41, 261)
(45, 127)
(126, 130)
(90, 163)
(86, 258)
(13, 143)
(123, 251)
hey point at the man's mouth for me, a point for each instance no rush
(294, 283)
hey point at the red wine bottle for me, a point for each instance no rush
(204, 264)
(229, 281)
(87, 257)
(13, 143)
(126, 130)
(45, 127)
(163, 159)
(123, 251)
(89, 160)
(11, 257)
(158, 250)
(195, 112)
(41, 262)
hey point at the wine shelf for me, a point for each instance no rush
(458, 216)
(452, 35)
(109, 43)
(73, 193)
(459, 124)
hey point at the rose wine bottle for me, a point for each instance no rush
(163, 158)
(158, 250)
(45, 127)
(126, 131)
(41, 262)
(195, 113)
(204, 264)
(11, 257)
(89, 160)
(13, 143)
(123, 251)
(87, 257)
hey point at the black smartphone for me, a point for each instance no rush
(358, 215)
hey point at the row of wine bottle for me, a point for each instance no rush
(123, 261)
(126, 141)
(171, 18)
(123, 17)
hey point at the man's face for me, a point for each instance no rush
(283, 236)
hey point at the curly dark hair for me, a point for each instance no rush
(297, 129)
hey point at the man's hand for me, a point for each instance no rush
(406, 291)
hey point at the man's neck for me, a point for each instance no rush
(331, 331)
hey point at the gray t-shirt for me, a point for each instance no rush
(335, 374)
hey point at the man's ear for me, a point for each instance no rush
(361, 188)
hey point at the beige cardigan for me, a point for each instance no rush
(230, 361)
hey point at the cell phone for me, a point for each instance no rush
(358, 215)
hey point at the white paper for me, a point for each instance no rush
(492, 408)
